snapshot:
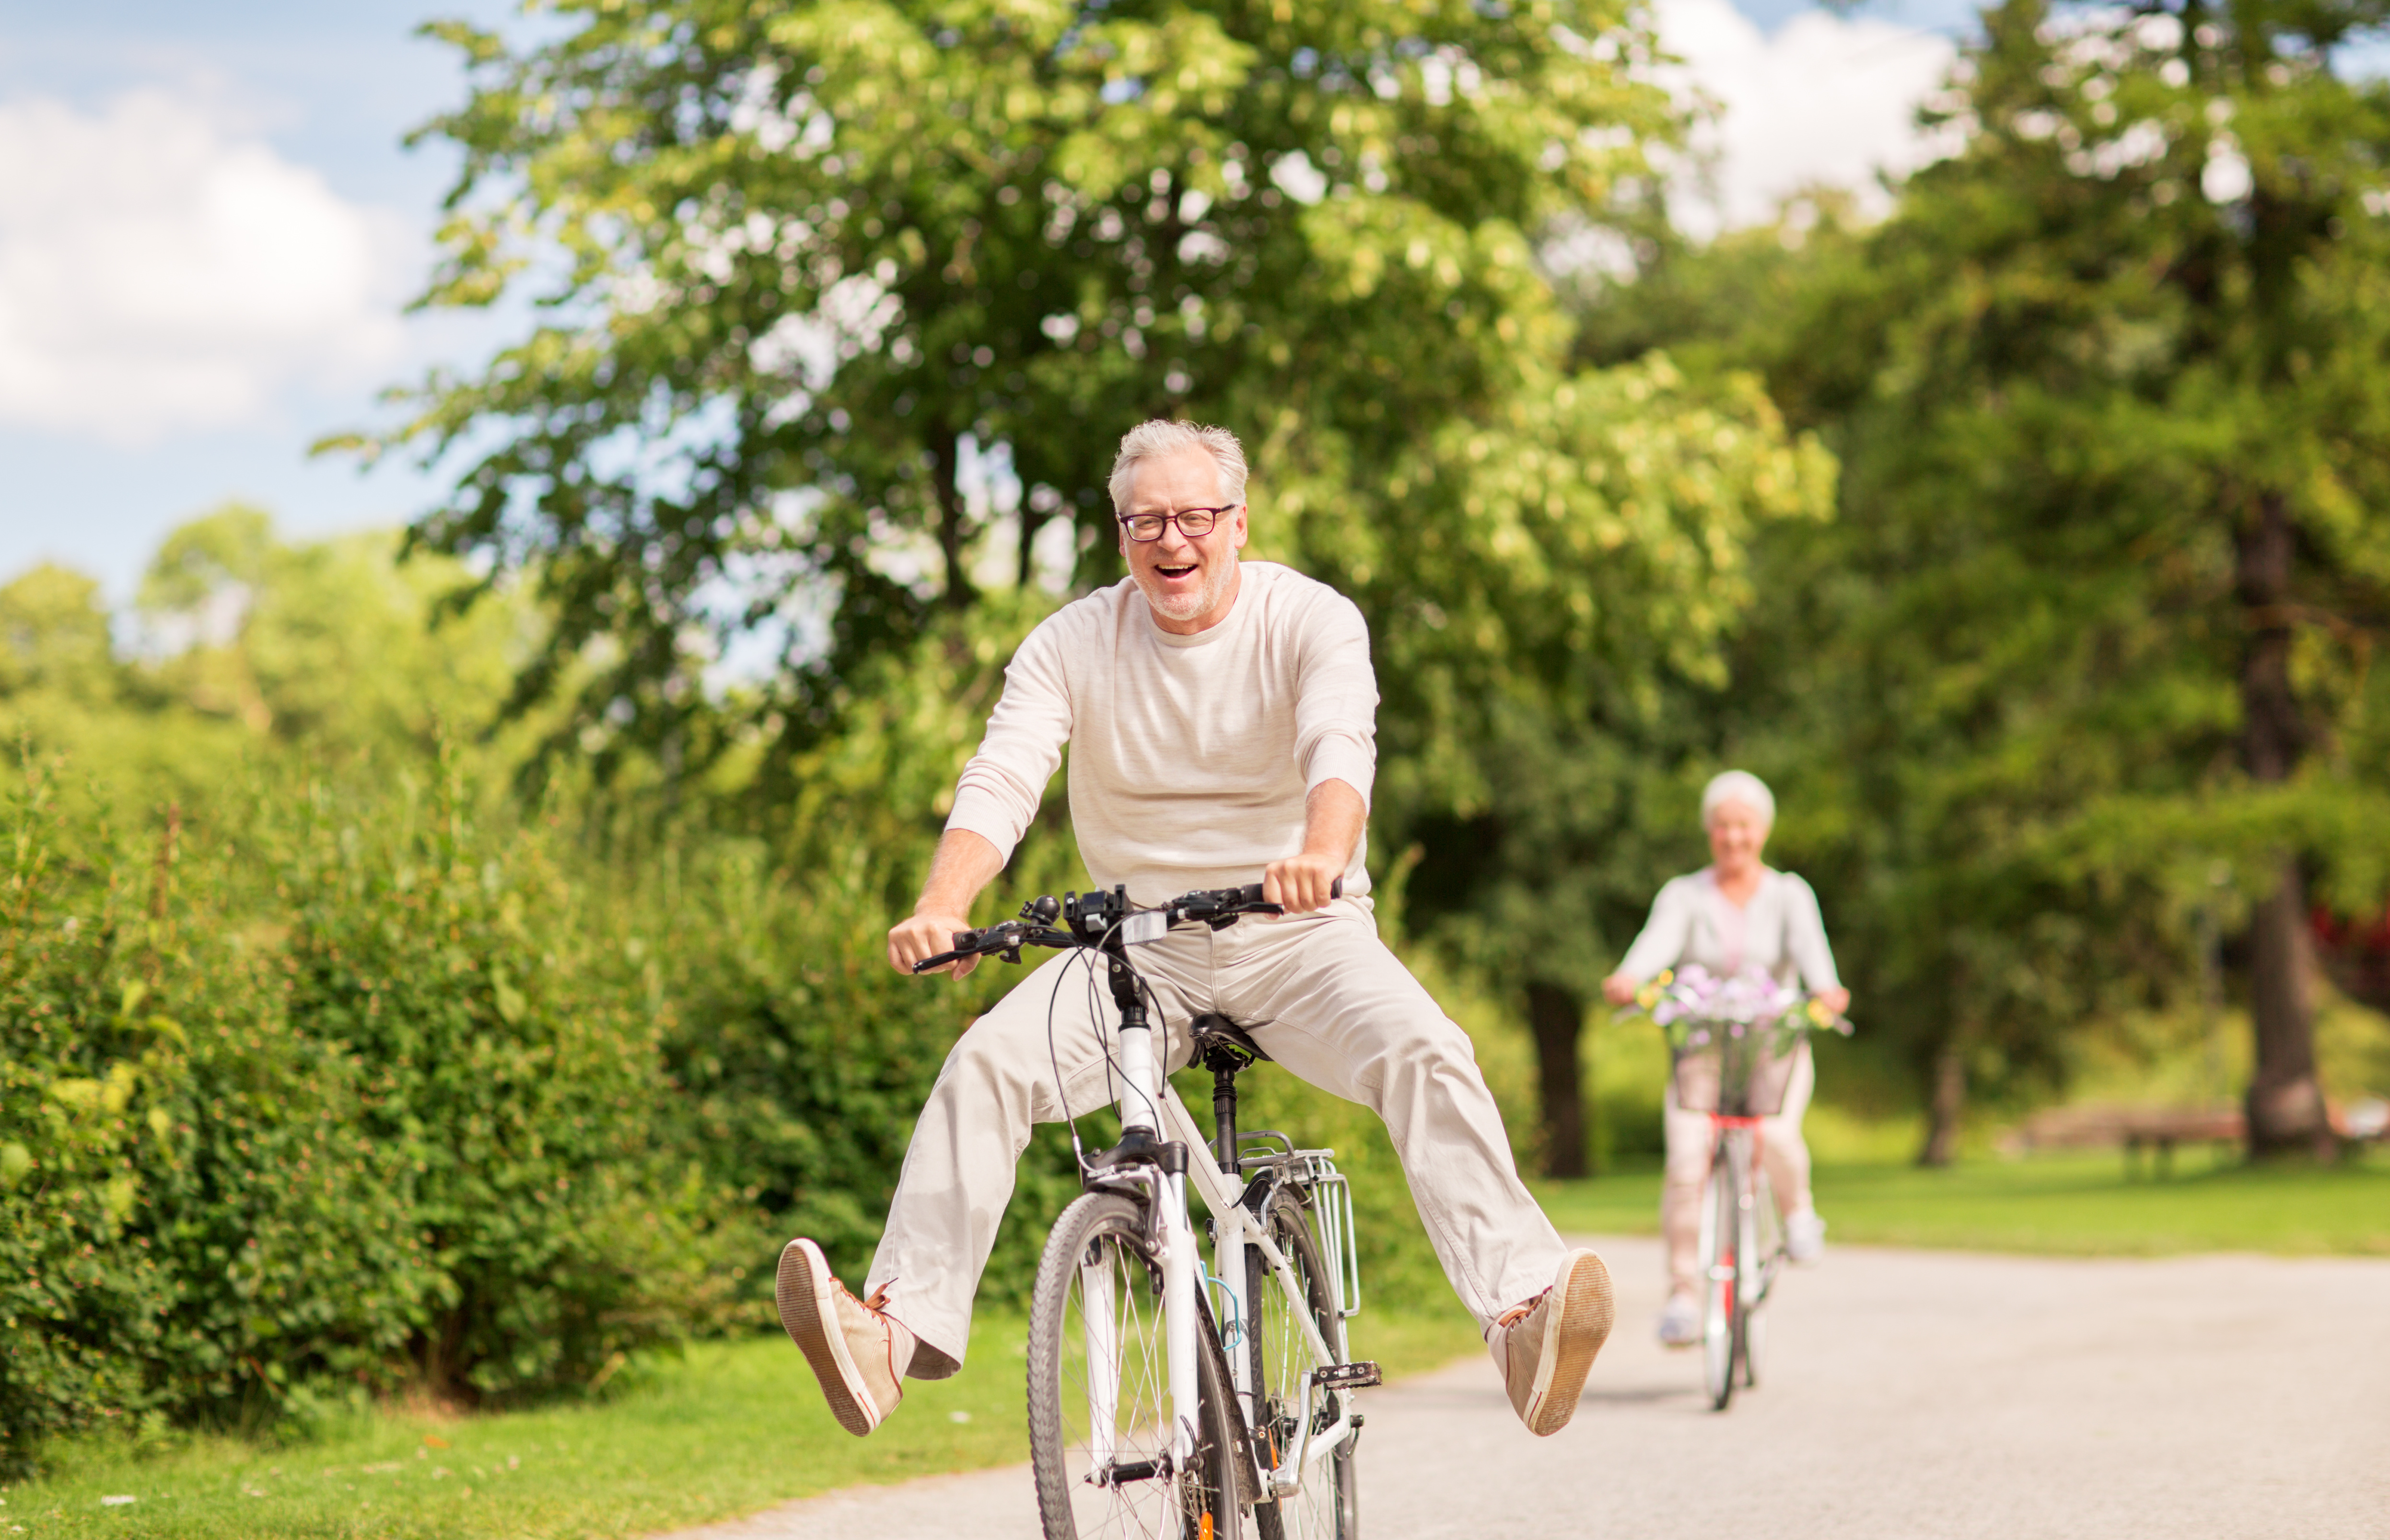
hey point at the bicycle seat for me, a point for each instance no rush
(1221, 1046)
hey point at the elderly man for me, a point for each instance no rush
(1221, 718)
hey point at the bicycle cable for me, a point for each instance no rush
(1054, 1058)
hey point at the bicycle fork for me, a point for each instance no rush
(1175, 1247)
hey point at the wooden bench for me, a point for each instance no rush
(2135, 1130)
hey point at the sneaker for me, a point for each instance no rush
(1680, 1320)
(1804, 1236)
(858, 1353)
(1545, 1345)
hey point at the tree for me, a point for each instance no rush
(803, 261)
(1542, 591)
(2111, 398)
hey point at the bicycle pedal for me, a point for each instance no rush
(1348, 1377)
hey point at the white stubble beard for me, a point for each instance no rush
(1217, 576)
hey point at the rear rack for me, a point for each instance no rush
(1330, 1196)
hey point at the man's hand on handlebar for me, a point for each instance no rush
(1303, 882)
(926, 935)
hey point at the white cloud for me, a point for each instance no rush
(160, 271)
(1821, 100)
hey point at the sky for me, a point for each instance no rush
(209, 230)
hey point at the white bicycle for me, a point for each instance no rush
(1169, 1396)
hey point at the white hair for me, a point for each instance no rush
(1162, 436)
(1737, 785)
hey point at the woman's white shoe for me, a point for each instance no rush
(1681, 1321)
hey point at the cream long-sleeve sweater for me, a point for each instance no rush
(1779, 931)
(1190, 756)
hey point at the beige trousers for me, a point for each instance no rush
(1782, 1155)
(1321, 995)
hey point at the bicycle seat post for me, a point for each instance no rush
(1224, 1115)
(1224, 1048)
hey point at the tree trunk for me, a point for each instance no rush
(1025, 559)
(1946, 1110)
(2285, 1103)
(959, 592)
(1557, 1019)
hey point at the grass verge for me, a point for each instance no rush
(2068, 1206)
(728, 1429)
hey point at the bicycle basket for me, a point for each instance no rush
(1733, 1069)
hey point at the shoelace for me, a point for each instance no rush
(1518, 1313)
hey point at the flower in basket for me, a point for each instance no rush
(1700, 1006)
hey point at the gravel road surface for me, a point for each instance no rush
(1906, 1395)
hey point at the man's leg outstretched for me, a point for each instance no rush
(1336, 1007)
(997, 1082)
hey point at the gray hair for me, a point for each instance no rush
(1737, 785)
(1162, 436)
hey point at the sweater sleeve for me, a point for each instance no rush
(1664, 935)
(1804, 936)
(1001, 787)
(1336, 704)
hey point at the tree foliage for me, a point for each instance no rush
(802, 259)
(2092, 630)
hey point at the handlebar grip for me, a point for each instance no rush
(938, 961)
(1336, 889)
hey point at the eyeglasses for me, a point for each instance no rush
(1194, 523)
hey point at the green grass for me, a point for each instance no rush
(2071, 1206)
(728, 1429)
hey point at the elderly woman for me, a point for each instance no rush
(1734, 915)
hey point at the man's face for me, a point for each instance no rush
(1191, 584)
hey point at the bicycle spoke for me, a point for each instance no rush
(1283, 1354)
(1101, 1407)
(1116, 1448)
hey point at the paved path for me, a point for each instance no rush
(1906, 1394)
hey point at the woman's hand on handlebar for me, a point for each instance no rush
(1619, 988)
(1302, 883)
(926, 935)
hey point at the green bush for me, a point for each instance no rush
(346, 1099)
(807, 1058)
(189, 1217)
(514, 1092)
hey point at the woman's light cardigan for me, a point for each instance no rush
(1779, 931)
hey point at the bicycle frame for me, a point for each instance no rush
(1152, 1164)
(1753, 1193)
(1150, 1105)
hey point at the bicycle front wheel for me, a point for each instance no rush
(1099, 1403)
(1721, 1304)
(1763, 1243)
(1326, 1508)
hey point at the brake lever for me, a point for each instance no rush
(1003, 941)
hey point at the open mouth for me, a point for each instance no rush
(1172, 574)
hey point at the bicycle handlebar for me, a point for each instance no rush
(1090, 919)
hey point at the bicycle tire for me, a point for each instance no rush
(1746, 1265)
(1206, 1500)
(1720, 1285)
(1330, 1511)
(1766, 1248)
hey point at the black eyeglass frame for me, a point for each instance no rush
(1169, 519)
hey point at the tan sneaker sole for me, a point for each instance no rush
(1582, 1312)
(806, 1294)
